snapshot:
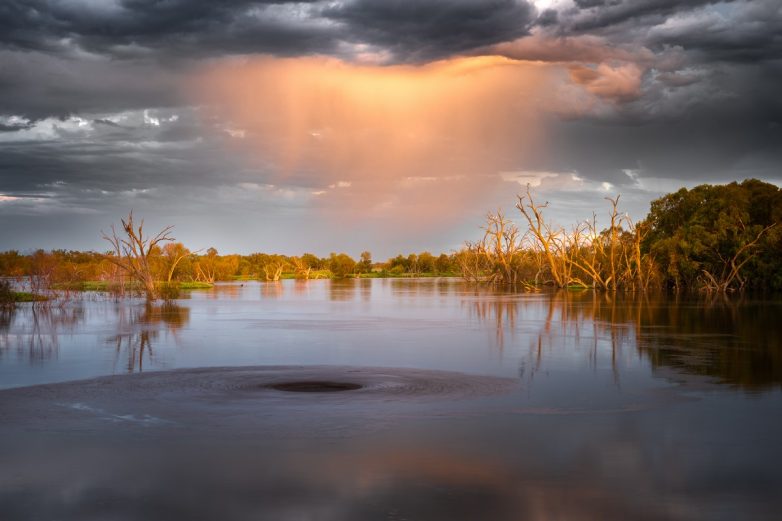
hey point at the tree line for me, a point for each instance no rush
(716, 238)
(158, 266)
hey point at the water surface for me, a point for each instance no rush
(569, 405)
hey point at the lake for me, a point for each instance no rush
(416, 399)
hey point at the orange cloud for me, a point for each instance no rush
(583, 48)
(416, 140)
(615, 83)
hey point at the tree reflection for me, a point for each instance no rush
(342, 290)
(272, 289)
(223, 291)
(734, 341)
(139, 326)
(37, 329)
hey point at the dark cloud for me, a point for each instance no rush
(36, 85)
(586, 4)
(547, 18)
(596, 15)
(94, 111)
(136, 27)
(740, 32)
(136, 150)
(680, 139)
(424, 30)
(191, 28)
(14, 127)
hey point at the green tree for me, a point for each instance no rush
(341, 265)
(443, 264)
(365, 264)
(717, 237)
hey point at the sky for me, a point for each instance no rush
(382, 125)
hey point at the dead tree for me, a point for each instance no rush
(472, 261)
(731, 266)
(273, 271)
(552, 243)
(502, 247)
(132, 252)
(301, 269)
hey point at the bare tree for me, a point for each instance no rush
(132, 252)
(206, 267)
(301, 268)
(731, 266)
(552, 242)
(472, 261)
(273, 271)
(588, 256)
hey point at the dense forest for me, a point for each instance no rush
(712, 237)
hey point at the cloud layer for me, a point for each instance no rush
(295, 111)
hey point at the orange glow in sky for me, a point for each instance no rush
(417, 140)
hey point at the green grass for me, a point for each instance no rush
(105, 285)
(392, 275)
(195, 285)
(89, 285)
(24, 296)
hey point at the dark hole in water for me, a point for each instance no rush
(312, 386)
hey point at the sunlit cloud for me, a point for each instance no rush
(379, 133)
(614, 83)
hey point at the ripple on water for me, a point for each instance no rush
(247, 398)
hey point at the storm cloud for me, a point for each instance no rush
(98, 112)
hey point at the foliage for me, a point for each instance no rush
(718, 237)
(365, 264)
(715, 238)
(341, 265)
(7, 295)
(168, 291)
(195, 285)
(26, 296)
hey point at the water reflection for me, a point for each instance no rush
(731, 341)
(735, 341)
(681, 465)
(6, 314)
(33, 331)
(342, 290)
(222, 291)
(272, 290)
(429, 287)
(138, 327)
(428, 483)
(602, 434)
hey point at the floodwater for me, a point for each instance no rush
(392, 400)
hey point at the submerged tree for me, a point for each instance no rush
(132, 252)
(500, 256)
(550, 241)
(585, 256)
